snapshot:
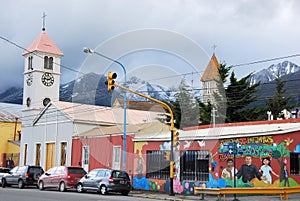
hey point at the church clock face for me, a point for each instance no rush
(47, 79)
(29, 79)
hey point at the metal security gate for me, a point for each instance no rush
(195, 165)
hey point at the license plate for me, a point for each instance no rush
(122, 182)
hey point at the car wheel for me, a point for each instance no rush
(62, 187)
(20, 183)
(41, 185)
(36, 176)
(103, 190)
(4, 184)
(80, 189)
(125, 193)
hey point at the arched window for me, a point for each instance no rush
(30, 63)
(51, 63)
(46, 62)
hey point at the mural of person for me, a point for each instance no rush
(248, 171)
(229, 171)
(286, 176)
(266, 169)
(139, 169)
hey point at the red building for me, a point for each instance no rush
(201, 157)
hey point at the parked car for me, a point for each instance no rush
(62, 178)
(22, 176)
(3, 171)
(105, 181)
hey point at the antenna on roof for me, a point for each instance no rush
(44, 19)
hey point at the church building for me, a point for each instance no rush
(49, 124)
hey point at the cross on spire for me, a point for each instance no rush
(44, 19)
(214, 47)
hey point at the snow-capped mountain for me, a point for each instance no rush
(91, 89)
(153, 90)
(270, 74)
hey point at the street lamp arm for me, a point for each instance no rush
(88, 50)
(152, 99)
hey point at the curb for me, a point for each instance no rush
(157, 197)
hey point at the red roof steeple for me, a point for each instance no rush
(43, 43)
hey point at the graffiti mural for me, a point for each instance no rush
(262, 147)
(269, 153)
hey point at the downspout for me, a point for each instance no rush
(16, 122)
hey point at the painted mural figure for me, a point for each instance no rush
(248, 171)
(229, 171)
(286, 176)
(139, 168)
(266, 169)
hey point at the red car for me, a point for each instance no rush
(62, 178)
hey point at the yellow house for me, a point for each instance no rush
(10, 133)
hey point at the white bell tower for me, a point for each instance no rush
(41, 74)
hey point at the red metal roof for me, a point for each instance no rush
(43, 43)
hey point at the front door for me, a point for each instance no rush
(85, 157)
(116, 164)
(50, 154)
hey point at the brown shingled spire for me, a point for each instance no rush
(211, 72)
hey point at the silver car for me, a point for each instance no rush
(105, 181)
(3, 171)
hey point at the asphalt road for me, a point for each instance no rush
(33, 194)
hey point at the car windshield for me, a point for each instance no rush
(33, 170)
(76, 171)
(120, 174)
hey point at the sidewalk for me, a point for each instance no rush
(164, 196)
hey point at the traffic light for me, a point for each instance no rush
(167, 155)
(175, 138)
(110, 80)
(172, 169)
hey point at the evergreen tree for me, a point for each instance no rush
(279, 102)
(224, 72)
(220, 96)
(234, 105)
(204, 112)
(239, 95)
(184, 107)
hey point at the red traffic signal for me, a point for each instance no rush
(175, 138)
(110, 80)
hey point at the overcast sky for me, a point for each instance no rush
(243, 30)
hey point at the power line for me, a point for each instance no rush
(166, 77)
(15, 44)
(266, 60)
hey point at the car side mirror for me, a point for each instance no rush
(47, 174)
(10, 172)
(86, 176)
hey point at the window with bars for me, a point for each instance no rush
(208, 87)
(30, 63)
(157, 166)
(194, 165)
(295, 163)
(48, 63)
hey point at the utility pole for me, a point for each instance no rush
(173, 132)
